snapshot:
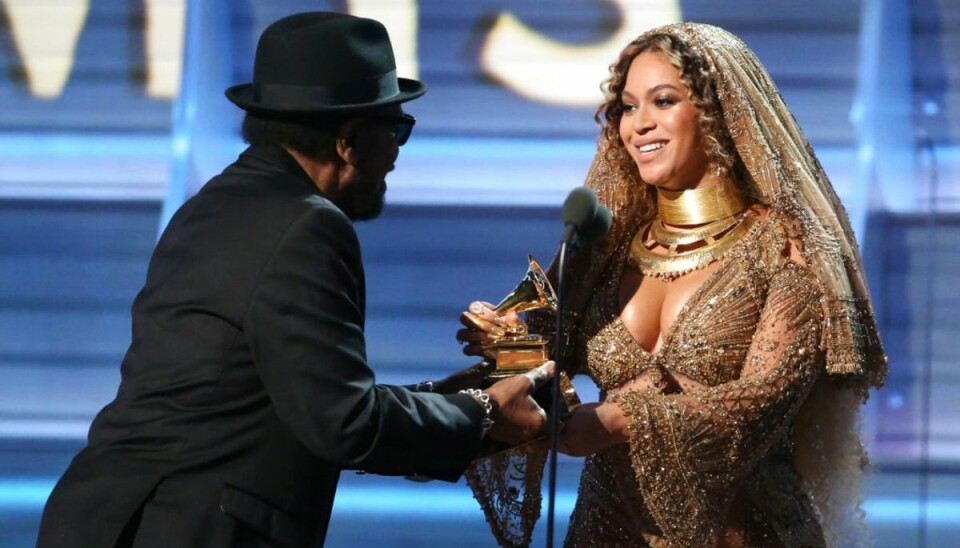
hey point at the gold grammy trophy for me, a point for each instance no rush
(518, 351)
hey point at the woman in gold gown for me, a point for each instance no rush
(725, 319)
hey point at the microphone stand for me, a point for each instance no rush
(585, 220)
(556, 398)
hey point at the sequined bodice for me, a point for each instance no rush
(709, 339)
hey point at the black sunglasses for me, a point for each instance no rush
(404, 126)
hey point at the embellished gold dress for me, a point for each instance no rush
(714, 463)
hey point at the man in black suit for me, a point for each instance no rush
(246, 390)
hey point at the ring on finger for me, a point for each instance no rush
(536, 374)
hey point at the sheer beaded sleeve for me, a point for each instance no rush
(691, 451)
(507, 486)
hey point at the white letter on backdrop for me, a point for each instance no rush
(46, 36)
(400, 17)
(546, 70)
(163, 44)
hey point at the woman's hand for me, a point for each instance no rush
(482, 325)
(592, 427)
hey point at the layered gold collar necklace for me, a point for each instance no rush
(719, 214)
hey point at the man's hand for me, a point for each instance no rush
(516, 417)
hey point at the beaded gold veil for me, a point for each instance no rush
(787, 176)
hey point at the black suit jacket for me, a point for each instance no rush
(246, 387)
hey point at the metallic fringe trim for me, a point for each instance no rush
(851, 344)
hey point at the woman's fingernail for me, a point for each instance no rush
(497, 331)
(476, 308)
(476, 321)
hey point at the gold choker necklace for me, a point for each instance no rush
(709, 243)
(700, 205)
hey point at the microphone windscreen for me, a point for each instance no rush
(598, 226)
(580, 207)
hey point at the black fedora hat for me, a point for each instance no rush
(318, 62)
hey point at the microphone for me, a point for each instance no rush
(585, 220)
(579, 209)
(597, 227)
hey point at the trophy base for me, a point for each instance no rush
(516, 355)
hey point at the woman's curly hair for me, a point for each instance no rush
(694, 74)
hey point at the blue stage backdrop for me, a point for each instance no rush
(113, 112)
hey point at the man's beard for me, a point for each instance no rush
(365, 203)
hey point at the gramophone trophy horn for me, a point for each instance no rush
(534, 292)
(518, 351)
